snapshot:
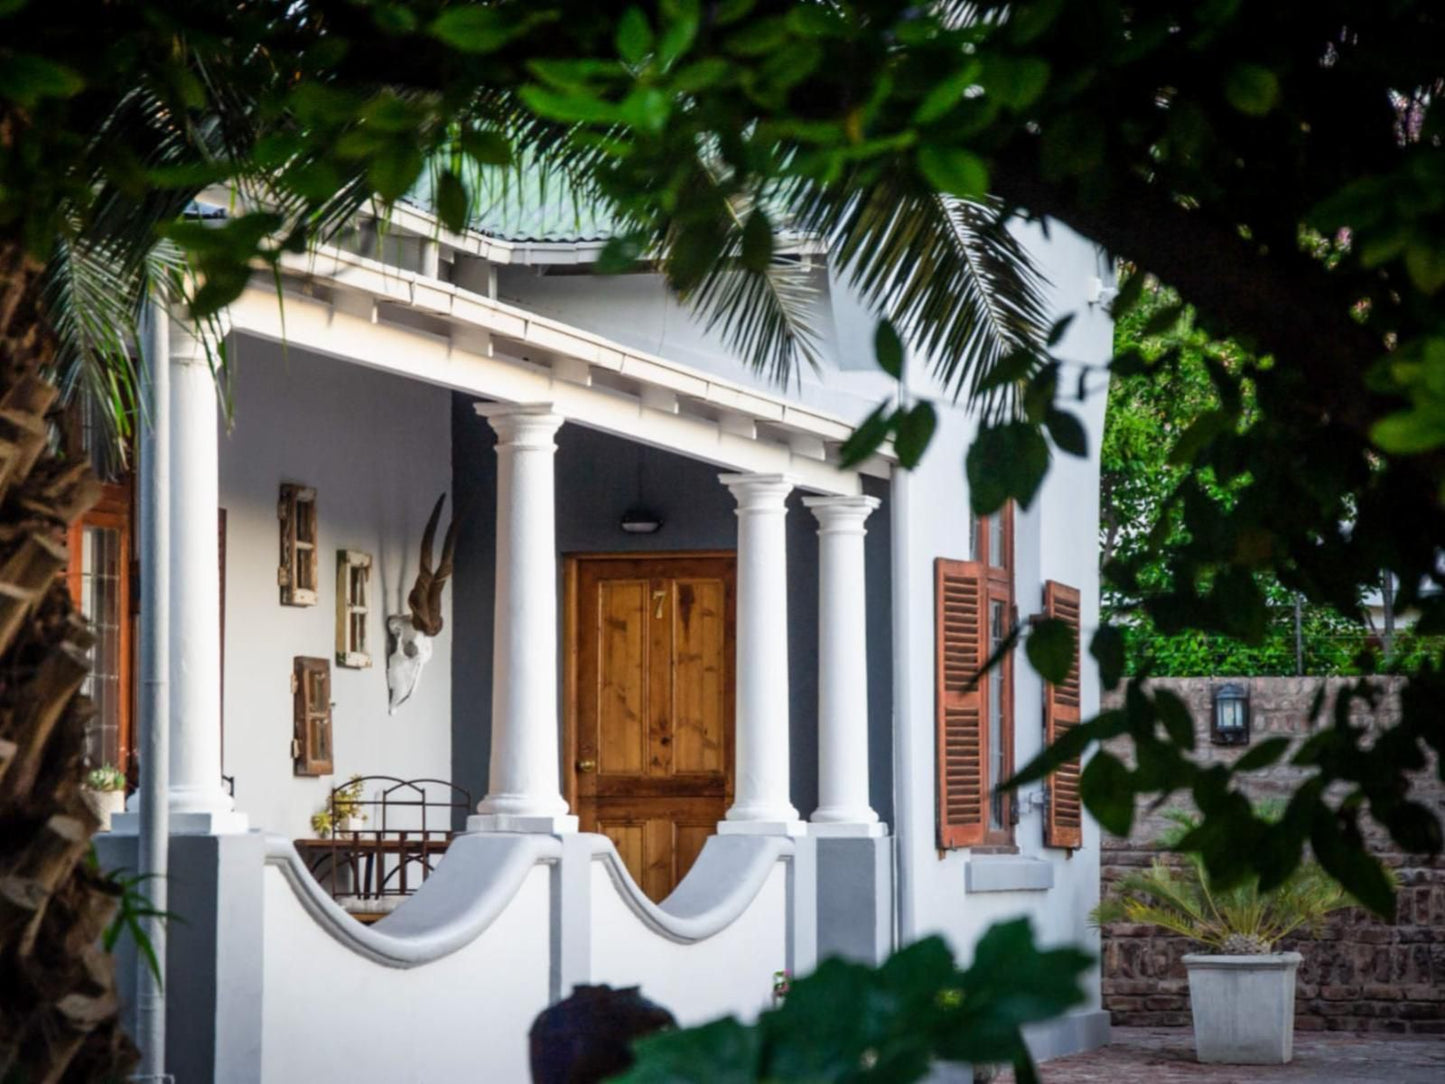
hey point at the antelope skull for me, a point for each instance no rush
(411, 634)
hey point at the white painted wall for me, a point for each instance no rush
(332, 1015)
(728, 973)
(1055, 539)
(378, 450)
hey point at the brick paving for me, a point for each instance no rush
(1166, 1056)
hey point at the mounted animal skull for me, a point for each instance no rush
(411, 634)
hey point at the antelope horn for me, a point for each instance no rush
(443, 573)
(422, 616)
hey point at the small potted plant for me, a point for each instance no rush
(346, 812)
(1241, 990)
(321, 824)
(105, 791)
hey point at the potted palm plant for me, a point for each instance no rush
(1241, 990)
(105, 792)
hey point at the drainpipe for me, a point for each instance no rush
(153, 862)
(903, 737)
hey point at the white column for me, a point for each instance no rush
(760, 803)
(524, 790)
(198, 802)
(843, 808)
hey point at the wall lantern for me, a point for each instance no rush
(639, 520)
(1231, 715)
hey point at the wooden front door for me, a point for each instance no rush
(650, 705)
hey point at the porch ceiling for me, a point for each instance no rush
(356, 309)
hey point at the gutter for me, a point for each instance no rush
(154, 858)
(904, 911)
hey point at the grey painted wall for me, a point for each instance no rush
(597, 480)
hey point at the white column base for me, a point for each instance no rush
(848, 829)
(541, 824)
(187, 824)
(762, 828)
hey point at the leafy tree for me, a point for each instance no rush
(1148, 413)
(1279, 165)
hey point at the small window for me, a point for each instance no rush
(297, 573)
(353, 589)
(311, 696)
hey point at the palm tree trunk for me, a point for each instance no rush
(58, 999)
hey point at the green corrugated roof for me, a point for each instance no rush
(517, 206)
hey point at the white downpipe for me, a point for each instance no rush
(154, 829)
(903, 720)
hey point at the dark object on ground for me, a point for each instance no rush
(587, 1038)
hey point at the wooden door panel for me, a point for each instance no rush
(699, 692)
(622, 677)
(650, 705)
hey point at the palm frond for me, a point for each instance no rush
(954, 280)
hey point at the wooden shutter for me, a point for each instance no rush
(961, 602)
(311, 698)
(1064, 817)
(296, 574)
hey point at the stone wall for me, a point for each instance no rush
(1360, 973)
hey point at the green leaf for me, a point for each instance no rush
(1262, 755)
(1200, 432)
(1426, 264)
(1067, 431)
(26, 79)
(1005, 461)
(1014, 82)
(1410, 432)
(954, 171)
(946, 94)
(722, 1052)
(888, 349)
(868, 437)
(634, 36)
(475, 28)
(914, 428)
(394, 170)
(680, 22)
(1163, 320)
(452, 201)
(1107, 649)
(1251, 88)
(1051, 649)
(1107, 791)
(619, 254)
(575, 108)
(757, 252)
(486, 146)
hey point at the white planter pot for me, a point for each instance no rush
(105, 803)
(1243, 1007)
(353, 824)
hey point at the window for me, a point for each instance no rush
(99, 578)
(975, 717)
(353, 586)
(297, 572)
(311, 701)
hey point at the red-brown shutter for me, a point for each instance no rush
(311, 701)
(1064, 821)
(961, 599)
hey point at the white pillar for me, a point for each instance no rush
(198, 802)
(524, 789)
(843, 808)
(760, 803)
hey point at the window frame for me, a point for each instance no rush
(113, 511)
(1000, 580)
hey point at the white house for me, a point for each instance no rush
(685, 758)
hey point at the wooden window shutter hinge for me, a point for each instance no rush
(295, 748)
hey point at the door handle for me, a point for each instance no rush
(587, 765)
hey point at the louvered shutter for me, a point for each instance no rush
(311, 700)
(961, 598)
(1064, 822)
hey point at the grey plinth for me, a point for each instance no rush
(1243, 1007)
